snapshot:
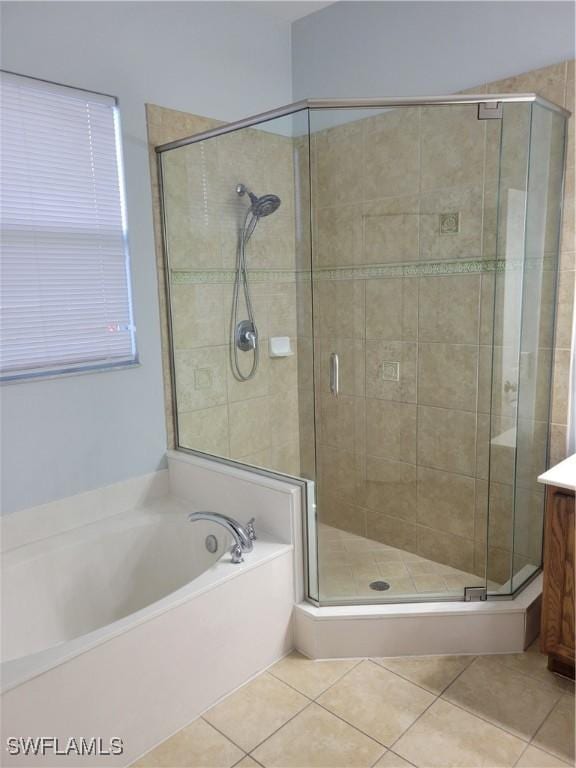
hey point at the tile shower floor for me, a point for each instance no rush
(349, 563)
(427, 711)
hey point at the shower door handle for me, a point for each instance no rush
(334, 374)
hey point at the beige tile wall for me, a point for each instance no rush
(254, 421)
(406, 461)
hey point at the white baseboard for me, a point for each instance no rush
(413, 629)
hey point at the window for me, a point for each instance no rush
(65, 303)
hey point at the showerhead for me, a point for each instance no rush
(265, 205)
(261, 206)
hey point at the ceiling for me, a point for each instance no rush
(285, 10)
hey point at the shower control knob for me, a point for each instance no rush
(246, 336)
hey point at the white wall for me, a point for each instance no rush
(222, 60)
(424, 48)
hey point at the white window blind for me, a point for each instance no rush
(64, 269)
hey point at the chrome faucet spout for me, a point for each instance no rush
(243, 537)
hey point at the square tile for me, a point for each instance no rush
(392, 760)
(255, 711)
(390, 230)
(247, 762)
(249, 426)
(376, 701)
(556, 734)
(205, 430)
(341, 471)
(451, 224)
(452, 146)
(391, 430)
(200, 377)
(340, 308)
(390, 487)
(535, 664)
(435, 673)
(392, 531)
(333, 511)
(391, 370)
(536, 758)
(443, 547)
(447, 375)
(310, 677)
(199, 315)
(392, 153)
(392, 308)
(448, 737)
(447, 439)
(509, 700)
(342, 422)
(339, 236)
(337, 163)
(196, 746)
(428, 582)
(449, 308)
(317, 739)
(446, 501)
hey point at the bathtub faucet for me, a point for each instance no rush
(243, 535)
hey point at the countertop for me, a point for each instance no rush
(562, 475)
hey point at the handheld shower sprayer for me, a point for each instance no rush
(244, 333)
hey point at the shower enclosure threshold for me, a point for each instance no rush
(419, 629)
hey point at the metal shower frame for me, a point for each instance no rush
(488, 108)
(490, 100)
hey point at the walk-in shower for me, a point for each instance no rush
(398, 309)
(244, 333)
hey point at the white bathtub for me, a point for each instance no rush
(128, 627)
(74, 589)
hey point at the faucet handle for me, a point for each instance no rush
(250, 530)
(236, 553)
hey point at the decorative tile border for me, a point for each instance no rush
(365, 272)
(413, 269)
(212, 276)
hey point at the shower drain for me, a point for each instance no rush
(379, 586)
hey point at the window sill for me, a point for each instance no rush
(66, 373)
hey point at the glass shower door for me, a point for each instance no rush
(528, 235)
(404, 206)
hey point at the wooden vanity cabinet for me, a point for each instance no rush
(557, 630)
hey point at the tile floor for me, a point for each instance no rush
(425, 711)
(348, 563)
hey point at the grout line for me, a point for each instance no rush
(260, 743)
(434, 693)
(311, 698)
(239, 761)
(549, 686)
(402, 758)
(538, 746)
(438, 697)
(500, 726)
(521, 755)
(351, 725)
(397, 674)
(201, 717)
